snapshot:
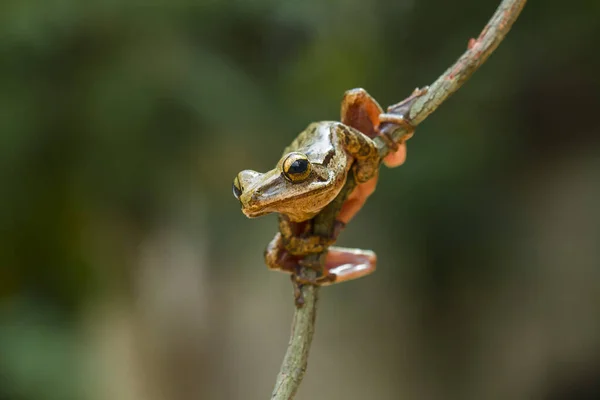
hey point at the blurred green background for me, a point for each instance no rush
(129, 272)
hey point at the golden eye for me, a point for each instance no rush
(237, 188)
(296, 167)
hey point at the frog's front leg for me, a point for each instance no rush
(363, 150)
(293, 242)
(301, 246)
(298, 241)
(362, 112)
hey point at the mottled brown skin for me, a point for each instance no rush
(331, 149)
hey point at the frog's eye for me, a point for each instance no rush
(296, 167)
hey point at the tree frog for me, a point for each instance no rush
(310, 174)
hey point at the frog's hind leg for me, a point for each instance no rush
(361, 111)
(278, 258)
(343, 264)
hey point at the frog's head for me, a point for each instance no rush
(296, 187)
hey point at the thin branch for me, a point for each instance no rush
(303, 325)
(478, 51)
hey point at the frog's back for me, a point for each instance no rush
(317, 141)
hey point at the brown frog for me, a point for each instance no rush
(310, 174)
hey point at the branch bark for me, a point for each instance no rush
(478, 50)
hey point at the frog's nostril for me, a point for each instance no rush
(237, 190)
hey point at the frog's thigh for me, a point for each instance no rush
(356, 200)
(344, 264)
(361, 111)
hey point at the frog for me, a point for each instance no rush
(311, 173)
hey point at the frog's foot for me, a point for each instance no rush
(362, 112)
(396, 114)
(299, 281)
(404, 106)
(322, 280)
(298, 295)
(341, 264)
(397, 154)
(399, 120)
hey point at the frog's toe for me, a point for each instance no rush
(396, 158)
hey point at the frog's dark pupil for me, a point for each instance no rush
(298, 166)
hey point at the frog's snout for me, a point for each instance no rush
(237, 188)
(251, 189)
(242, 182)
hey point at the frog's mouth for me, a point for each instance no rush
(254, 214)
(247, 209)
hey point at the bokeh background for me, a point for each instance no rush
(129, 272)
